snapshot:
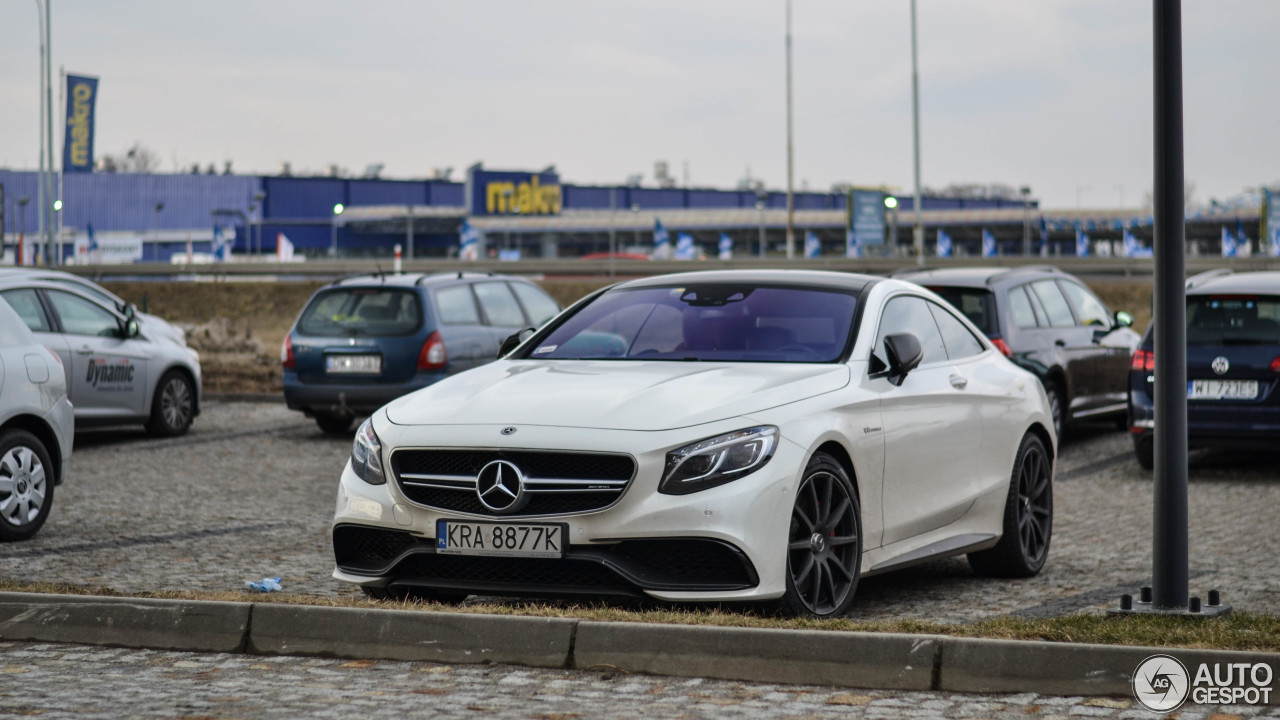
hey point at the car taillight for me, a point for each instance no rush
(287, 360)
(1002, 346)
(1275, 365)
(432, 356)
(1143, 360)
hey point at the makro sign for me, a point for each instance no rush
(492, 192)
(77, 148)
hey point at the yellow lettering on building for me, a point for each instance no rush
(527, 198)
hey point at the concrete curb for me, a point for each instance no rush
(811, 657)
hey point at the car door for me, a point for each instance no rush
(468, 342)
(1113, 346)
(27, 303)
(932, 428)
(1073, 347)
(502, 312)
(109, 372)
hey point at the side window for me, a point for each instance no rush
(27, 305)
(81, 317)
(910, 314)
(959, 342)
(499, 304)
(1055, 305)
(1088, 308)
(1024, 316)
(537, 305)
(457, 306)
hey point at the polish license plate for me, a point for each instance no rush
(534, 540)
(353, 364)
(1222, 389)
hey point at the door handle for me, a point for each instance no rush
(86, 350)
(1060, 343)
(958, 382)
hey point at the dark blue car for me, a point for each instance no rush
(1233, 366)
(364, 341)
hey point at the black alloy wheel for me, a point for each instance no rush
(1057, 407)
(824, 545)
(1028, 517)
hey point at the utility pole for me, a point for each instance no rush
(915, 133)
(791, 198)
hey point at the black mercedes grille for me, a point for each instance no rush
(557, 483)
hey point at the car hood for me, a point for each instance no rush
(612, 395)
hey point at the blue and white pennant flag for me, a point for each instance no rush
(1082, 243)
(661, 241)
(726, 247)
(468, 242)
(812, 246)
(989, 247)
(1228, 243)
(944, 243)
(852, 244)
(684, 247)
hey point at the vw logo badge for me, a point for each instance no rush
(508, 431)
(1221, 365)
(500, 487)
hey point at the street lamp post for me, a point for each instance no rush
(1025, 191)
(22, 226)
(333, 241)
(760, 208)
(258, 205)
(155, 233)
(917, 201)
(891, 202)
(635, 210)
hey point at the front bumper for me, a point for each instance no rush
(724, 543)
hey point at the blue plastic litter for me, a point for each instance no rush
(265, 584)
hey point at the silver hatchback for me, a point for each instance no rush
(37, 428)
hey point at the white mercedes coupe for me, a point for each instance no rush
(708, 436)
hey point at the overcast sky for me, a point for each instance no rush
(1054, 94)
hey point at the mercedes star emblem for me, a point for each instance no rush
(1221, 365)
(508, 431)
(500, 487)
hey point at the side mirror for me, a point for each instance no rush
(1123, 319)
(130, 329)
(513, 341)
(904, 354)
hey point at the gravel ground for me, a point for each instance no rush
(249, 492)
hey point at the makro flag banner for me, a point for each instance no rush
(944, 243)
(77, 147)
(1271, 226)
(684, 247)
(661, 241)
(1228, 243)
(812, 246)
(726, 247)
(989, 248)
(284, 249)
(852, 244)
(468, 242)
(1243, 246)
(1044, 238)
(1082, 243)
(220, 244)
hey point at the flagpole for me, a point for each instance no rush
(791, 199)
(918, 232)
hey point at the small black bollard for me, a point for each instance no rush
(1126, 602)
(1146, 595)
(1195, 605)
(1215, 598)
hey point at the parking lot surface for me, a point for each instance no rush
(248, 494)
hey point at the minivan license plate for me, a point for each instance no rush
(353, 364)
(535, 540)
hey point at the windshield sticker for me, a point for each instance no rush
(103, 375)
(545, 349)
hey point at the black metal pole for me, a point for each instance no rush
(1169, 552)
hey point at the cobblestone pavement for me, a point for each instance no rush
(249, 492)
(54, 681)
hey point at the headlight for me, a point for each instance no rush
(718, 460)
(366, 455)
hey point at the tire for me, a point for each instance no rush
(173, 406)
(1057, 408)
(26, 485)
(401, 592)
(824, 543)
(1028, 517)
(334, 424)
(1144, 447)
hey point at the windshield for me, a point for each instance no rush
(722, 322)
(1233, 320)
(362, 311)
